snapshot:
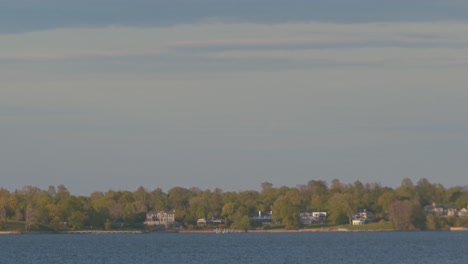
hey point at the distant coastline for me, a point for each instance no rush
(194, 231)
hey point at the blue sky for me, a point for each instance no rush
(117, 94)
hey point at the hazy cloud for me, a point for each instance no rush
(31, 15)
(212, 93)
(410, 44)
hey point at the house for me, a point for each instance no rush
(160, 218)
(364, 215)
(308, 218)
(263, 217)
(435, 209)
(201, 222)
(359, 221)
(451, 211)
(463, 212)
(212, 221)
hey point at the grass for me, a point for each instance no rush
(367, 227)
(12, 226)
(21, 227)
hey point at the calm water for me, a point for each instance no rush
(372, 247)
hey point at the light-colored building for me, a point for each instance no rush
(359, 221)
(362, 217)
(463, 213)
(212, 221)
(444, 210)
(451, 211)
(263, 217)
(435, 209)
(159, 218)
(366, 215)
(308, 218)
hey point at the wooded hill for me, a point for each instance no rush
(57, 209)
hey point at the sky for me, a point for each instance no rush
(113, 94)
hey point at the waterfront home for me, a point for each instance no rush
(160, 218)
(308, 218)
(435, 209)
(359, 221)
(364, 214)
(451, 211)
(212, 221)
(463, 212)
(263, 217)
(362, 217)
(443, 210)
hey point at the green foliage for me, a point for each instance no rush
(108, 225)
(341, 206)
(286, 209)
(58, 209)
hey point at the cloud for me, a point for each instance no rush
(316, 44)
(134, 101)
(32, 15)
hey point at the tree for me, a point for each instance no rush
(340, 207)
(286, 209)
(240, 219)
(386, 199)
(31, 217)
(228, 211)
(428, 193)
(267, 196)
(76, 220)
(244, 223)
(406, 191)
(158, 200)
(179, 200)
(433, 222)
(266, 186)
(462, 200)
(336, 186)
(407, 215)
(319, 194)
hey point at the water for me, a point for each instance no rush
(361, 247)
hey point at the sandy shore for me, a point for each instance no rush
(9, 233)
(459, 229)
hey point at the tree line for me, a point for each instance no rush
(403, 206)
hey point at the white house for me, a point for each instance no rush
(362, 217)
(463, 212)
(308, 218)
(359, 221)
(159, 218)
(212, 221)
(436, 209)
(263, 217)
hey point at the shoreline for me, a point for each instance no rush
(103, 232)
(10, 233)
(213, 231)
(458, 228)
(309, 230)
